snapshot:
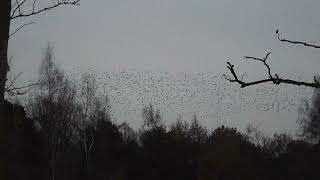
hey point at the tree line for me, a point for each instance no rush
(66, 132)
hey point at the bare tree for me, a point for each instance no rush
(257, 136)
(128, 134)
(54, 109)
(309, 119)
(279, 144)
(151, 118)
(179, 127)
(197, 133)
(50, 75)
(90, 104)
(12, 10)
(271, 77)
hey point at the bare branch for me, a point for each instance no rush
(263, 61)
(275, 80)
(12, 90)
(17, 7)
(296, 42)
(22, 90)
(26, 24)
(16, 12)
(13, 6)
(271, 78)
(14, 79)
(33, 5)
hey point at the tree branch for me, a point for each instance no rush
(12, 90)
(274, 79)
(26, 24)
(263, 61)
(271, 78)
(296, 42)
(16, 8)
(17, 13)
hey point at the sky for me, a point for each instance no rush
(179, 36)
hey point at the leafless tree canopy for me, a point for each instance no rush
(271, 77)
(23, 9)
(18, 7)
(54, 108)
(310, 118)
(151, 118)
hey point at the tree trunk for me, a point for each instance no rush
(5, 8)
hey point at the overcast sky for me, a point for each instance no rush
(172, 36)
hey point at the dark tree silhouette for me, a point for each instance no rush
(54, 109)
(91, 106)
(278, 145)
(271, 77)
(27, 157)
(107, 150)
(12, 10)
(151, 117)
(197, 133)
(310, 118)
(228, 155)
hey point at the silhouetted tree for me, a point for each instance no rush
(11, 11)
(257, 136)
(310, 118)
(228, 155)
(131, 153)
(278, 145)
(153, 139)
(26, 148)
(197, 133)
(90, 105)
(127, 133)
(182, 151)
(54, 109)
(151, 118)
(107, 150)
(179, 129)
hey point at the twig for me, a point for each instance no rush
(263, 61)
(16, 12)
(26, 24)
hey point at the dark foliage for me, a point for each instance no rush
(158, 152)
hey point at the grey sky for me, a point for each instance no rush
(172, 35)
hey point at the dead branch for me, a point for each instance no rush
(271, 78)
(13, 90)
(274, 79)
(18, 29)
(263, 61)
(295, 42)
(22, 90)
(18, 13)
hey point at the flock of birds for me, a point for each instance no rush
(208, 95)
